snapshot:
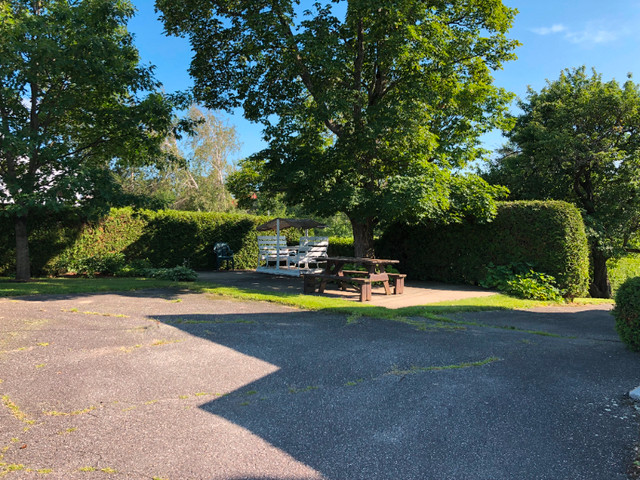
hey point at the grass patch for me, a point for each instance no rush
(75, 310)
(301, 390)
(413, 370)
(41, 286)
(55, 413)
(477, 304)
(186, 321)
(16, 411)
(592, 301)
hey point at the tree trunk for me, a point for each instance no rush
(363, 237)
(600, 286)
(23, 268)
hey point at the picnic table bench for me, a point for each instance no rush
(361, 280)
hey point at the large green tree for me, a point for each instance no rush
(578, 140)
(74, 100)
(368, 106)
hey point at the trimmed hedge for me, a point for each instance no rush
(340, 246)
(549, 235)
(627, 313)
(167, 238)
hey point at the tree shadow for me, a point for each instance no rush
(61, 292)
(361, 401)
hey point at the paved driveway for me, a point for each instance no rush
(172, 385)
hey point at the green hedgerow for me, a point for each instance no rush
(627, 313)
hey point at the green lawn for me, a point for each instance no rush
(433, 311)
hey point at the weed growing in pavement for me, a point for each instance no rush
(354, 382)
(55, 413)
(301, 390)
(186, 321)
(414, 369)
(75, 310)
(16, 411)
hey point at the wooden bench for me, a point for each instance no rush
(397, 278)
(272, 250)
(398, 282)
(311, 251)
(363, 285)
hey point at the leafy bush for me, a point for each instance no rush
(136, 268)
(104, 264)
(521, 280)
(498, 276)
(535, 286)
(340, 247)
(549, 235)
(175, 274)
(627, 313)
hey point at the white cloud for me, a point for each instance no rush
(592, 34)
(555, 28)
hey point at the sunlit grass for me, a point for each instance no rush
(307, 302)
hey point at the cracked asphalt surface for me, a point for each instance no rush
(173, 385)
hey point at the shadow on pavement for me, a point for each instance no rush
(371, 399)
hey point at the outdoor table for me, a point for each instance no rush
(375, 268)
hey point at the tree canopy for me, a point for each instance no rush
(369, 108)
(578, 140)
(74, 100)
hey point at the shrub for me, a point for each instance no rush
(499, 275)
(176, 274)
(535, 286)
(521, 280)
(627, 313)
(549, 236)
(340, 247)
(136, 268)
(620, 269)
(105, 264)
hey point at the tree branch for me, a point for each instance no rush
(304, 73)
(357, 72)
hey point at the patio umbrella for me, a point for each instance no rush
(281, 223)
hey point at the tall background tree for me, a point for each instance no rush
(197, 181)
(74, 100)
(578, 140)
(368, 106)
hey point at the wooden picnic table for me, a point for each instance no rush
(362, 280)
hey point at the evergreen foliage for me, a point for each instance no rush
(549, 236)
(627, 313)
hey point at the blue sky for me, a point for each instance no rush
(555, 34)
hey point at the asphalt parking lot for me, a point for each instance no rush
(173, 385)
